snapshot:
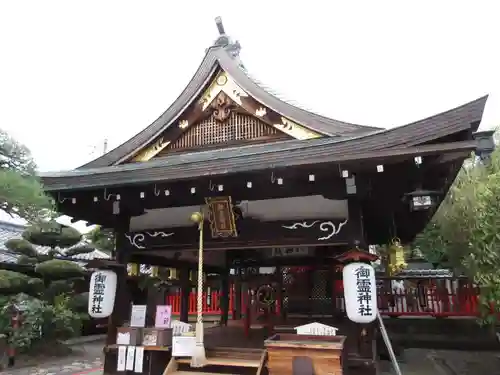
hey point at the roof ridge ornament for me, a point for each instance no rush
(225, 41)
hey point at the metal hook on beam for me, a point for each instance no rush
(156, 191)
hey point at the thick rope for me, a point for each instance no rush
(199, 358)
(199, 306)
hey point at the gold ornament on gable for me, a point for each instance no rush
(151, 151)
(222, 107)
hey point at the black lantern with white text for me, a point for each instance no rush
(422, 200)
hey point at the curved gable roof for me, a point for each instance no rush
(218, 57)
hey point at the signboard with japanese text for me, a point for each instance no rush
(163, 316)
(221, 217)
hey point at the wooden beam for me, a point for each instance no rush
(251, 233)
(265, 185)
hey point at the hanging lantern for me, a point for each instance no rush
(154, 271)
(173, 275)
(133, 269)
(396, 258)
(102, 293)
(421, 200)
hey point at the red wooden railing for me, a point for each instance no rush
(431, 301)
(428, 300)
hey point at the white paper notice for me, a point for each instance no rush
(130, 358)
(183, 346)
(138, 316)
(122, 357)
(123, 338)
(139, 359)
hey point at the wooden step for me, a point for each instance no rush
(235, 353)
(228, 362)
(173, 369)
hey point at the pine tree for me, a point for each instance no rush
(21, 193)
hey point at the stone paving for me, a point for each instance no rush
(88, 361)
(445, 362)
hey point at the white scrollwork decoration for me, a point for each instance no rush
(324, 226)
(137, 239)
(161, 234)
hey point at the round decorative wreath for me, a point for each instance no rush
(266, 296)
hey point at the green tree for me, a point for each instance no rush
(464, 230)
(58, 273)
(21, 194)
(102, 239)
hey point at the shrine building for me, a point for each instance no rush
(286, 198)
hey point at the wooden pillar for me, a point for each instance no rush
(121, 311)
(224, 301)
(151, 303)
(280, 294)
(185, 291)
(333, 294)
(237, 294)
(310, 286)
(365, 333)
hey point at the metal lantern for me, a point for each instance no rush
(133, 269)
(172, 274)
(396, 257)
(421, 200)
(485, 143)
(155, 271)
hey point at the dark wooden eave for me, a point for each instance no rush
(244, 159)
(218, 58)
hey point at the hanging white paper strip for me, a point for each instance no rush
(122, 358)
(130, 358)
(139, 359)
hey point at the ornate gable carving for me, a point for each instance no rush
(225, 126)
(222, 107)
(224, 114)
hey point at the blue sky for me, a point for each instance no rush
(74, 73)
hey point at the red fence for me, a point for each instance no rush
(211, 302)
(437, 298)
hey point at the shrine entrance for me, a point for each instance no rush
(275, 295)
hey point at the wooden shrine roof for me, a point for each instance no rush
(242, 159)
(218, 57)
(333, 140)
